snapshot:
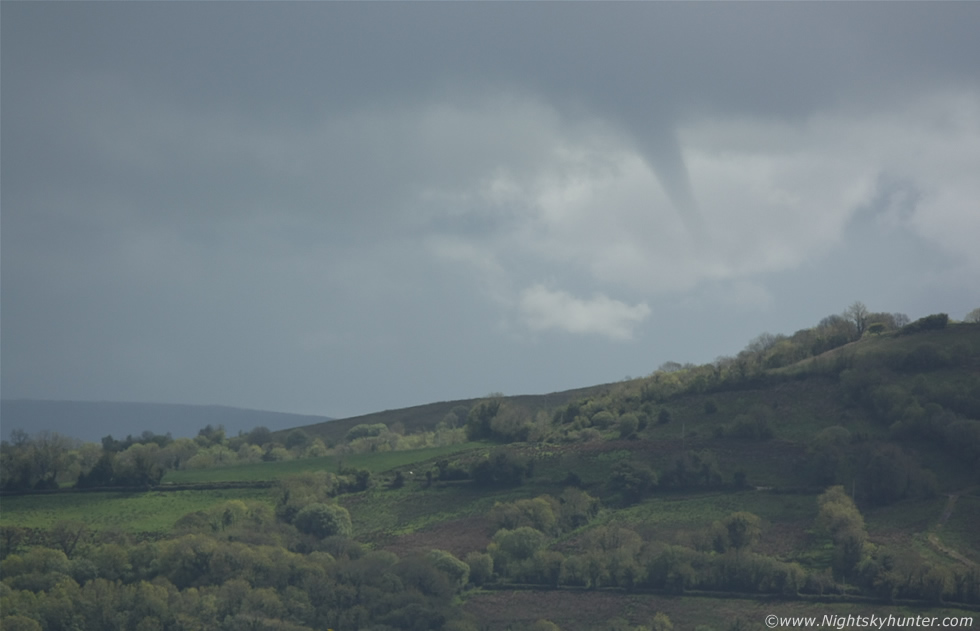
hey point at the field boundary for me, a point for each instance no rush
(798, 597)
(184, 486)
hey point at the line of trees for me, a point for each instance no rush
(48, 460)
(719, 557)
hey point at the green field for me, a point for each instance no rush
(151, 511)
(157, 510)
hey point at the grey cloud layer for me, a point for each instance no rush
(244, 203)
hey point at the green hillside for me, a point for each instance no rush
(834, 471)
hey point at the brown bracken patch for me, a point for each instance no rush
(459, 537)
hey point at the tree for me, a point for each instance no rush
(538, 513)
(661, 622)
(481, 567)
(934, 322)
(763, 342)
(36, 462)
(20, 623)
(297, 439)
(101, 474)
(511, 548)
(694, 469)
(479, 418)
(628, 424)
(893, 474)
(501, 469)
(742, 530)
(833, 331)
(520, 543)
(973, 317)
(577, 507)
(297, 491)
(139, 465)
(67, 534)
(210, 435)
(457, 571)
(633, 481)
(857, 313)
(324, 520)
(365, 430)
(259, 436)
(839, 518)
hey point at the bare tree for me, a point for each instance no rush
(858, 314)
(67, 535)
(763, 342)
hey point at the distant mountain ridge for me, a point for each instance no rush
(92, 420)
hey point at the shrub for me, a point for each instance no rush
(481, 567)
(324, 520)
(365, 430)
(751, 428)
(603, 419)
(457, 571)
(934, 322)
(297, 439)
(539, 513)
(694, 469)
(510, 425)
(632, 481)
(449, 471)
(876, 328)
(478, 421)
(628, 424)
(501, 469)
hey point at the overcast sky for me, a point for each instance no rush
(340, 208)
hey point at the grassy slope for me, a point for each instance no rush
(426, 417)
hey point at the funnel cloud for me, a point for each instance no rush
(338, 208)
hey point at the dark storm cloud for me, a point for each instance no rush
(340, 207)
(644, 66)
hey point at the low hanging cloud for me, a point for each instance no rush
(543, 309)
(776, 195)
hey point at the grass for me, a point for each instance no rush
(905, 516)
(153, 511)
(961, 532)
(397, 512)
(673, 519)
